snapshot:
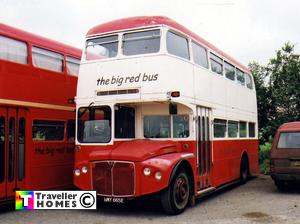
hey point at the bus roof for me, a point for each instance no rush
(38, 40)
(150, 21)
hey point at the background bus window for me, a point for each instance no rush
(157, 126)
(216, 64)
(229, 71)
(219, 128)
(144, 42)
(249, 82)
(72, 65)
(243, 129)
(181, 126)
(102, 47)
(11, 149)
(13, 50)
(199, 55)
(43, 130)
(71, 130)
(46, 59)
(251, 130)
(125, 122)
(240, 77)
(2, 148)
(21, 156)
(233, 129)
(177, 45)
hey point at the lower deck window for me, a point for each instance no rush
(251, 130)
(243, 129)
(124, 122)
(181, 126)
(157, 127)
(94, 124)
(165, 126)
(233, 129)
(43, 130)
(220, 128)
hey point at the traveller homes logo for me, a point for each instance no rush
(27, 200)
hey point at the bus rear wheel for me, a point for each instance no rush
(176, 197)
(244, 170)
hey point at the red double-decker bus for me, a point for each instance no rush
(37, 78)
(161, 110)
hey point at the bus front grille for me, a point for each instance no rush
(113, 178)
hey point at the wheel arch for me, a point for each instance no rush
(184, 164)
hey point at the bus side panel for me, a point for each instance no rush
(227, 158)
(51, 162)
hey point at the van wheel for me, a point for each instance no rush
(244, 170)
(280, 185)
(176, 197)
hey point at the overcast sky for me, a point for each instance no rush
(248, 30)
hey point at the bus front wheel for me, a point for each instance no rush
(176, 197)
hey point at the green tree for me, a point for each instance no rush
(278, 90)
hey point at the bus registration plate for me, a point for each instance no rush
(114, 200)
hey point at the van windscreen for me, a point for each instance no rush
(289, 140)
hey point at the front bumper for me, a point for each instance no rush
(285, 177)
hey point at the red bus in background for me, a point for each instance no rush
(38, 78)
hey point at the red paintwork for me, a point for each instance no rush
(150, 21)
(226, 166)
(140, 150)
(48, 165)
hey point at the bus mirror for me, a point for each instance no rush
(172, 108)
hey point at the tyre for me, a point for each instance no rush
(280, 185)
(176, 197)
(244, 170)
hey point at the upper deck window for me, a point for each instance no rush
(73, 65)
(240, 76)
(229, 71)
(216, 64)
(249, 82)
(144, 42)
(177, 45)
(13, 50)
(102, 47)
(43, 58)
(199, 55)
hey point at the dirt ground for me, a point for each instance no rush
(258, 201)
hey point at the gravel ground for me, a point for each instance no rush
(258, 201)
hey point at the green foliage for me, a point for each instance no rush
(264, 157)
(278, 91)
(278, 96)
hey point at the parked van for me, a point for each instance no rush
(285, 155)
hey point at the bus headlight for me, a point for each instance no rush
(77, 172)
(84, 169)
(158, 176)
(147, 171)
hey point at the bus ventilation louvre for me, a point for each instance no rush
(111, 178)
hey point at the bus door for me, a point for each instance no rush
(12, 144)
(204, 151)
